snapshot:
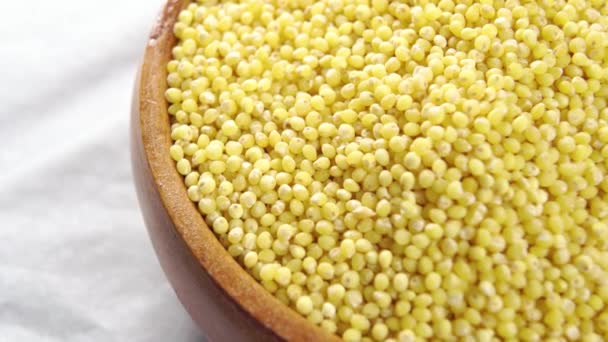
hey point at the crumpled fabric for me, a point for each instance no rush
(76, 263)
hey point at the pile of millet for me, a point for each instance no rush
(404, 170)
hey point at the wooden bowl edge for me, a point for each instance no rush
(150, 124)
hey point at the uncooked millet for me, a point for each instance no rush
(404, 170)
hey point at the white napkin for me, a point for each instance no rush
(75, 260)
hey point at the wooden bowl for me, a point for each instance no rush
(224, 300)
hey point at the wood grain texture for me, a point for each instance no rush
(224, 300)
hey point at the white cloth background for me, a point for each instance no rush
(75, 260)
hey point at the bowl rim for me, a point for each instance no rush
(213, 258)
